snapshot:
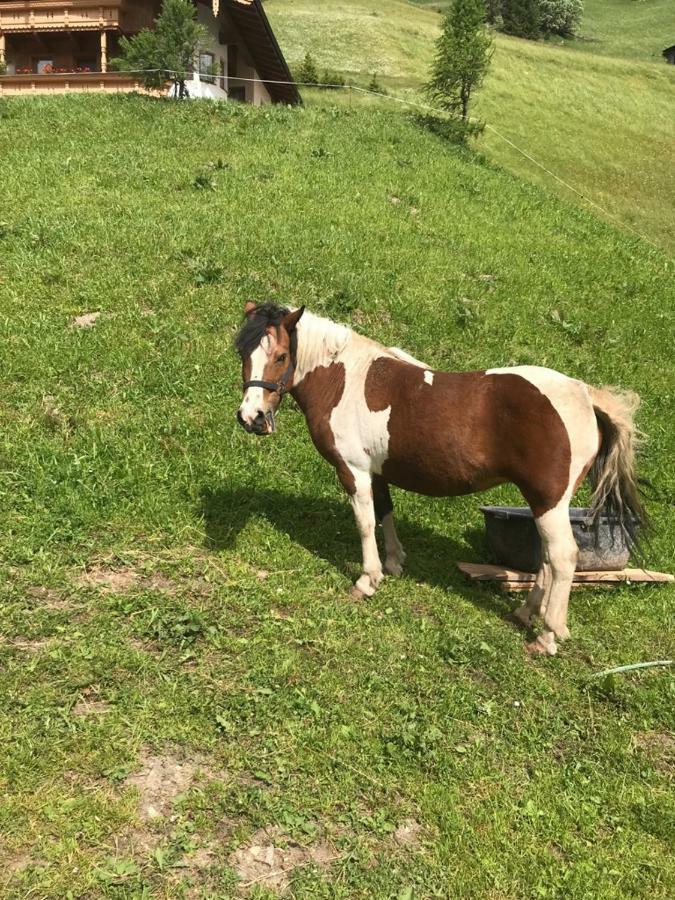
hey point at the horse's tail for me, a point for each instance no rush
(612, 475)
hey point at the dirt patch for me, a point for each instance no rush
(46, 598)
(270, 857)
(29, 646)
(87, 707)
(659, 746)
(160, 780)
(87, 320)
(109, 579)
(121, 579)
(408, 834)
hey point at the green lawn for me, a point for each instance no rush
(181, 666)
(603, 121)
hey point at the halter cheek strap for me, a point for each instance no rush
(277, 387)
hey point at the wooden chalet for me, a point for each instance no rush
(51, 46)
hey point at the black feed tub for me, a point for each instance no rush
(514, 541)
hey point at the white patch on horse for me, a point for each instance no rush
(571, 399)
(254, 398)
(428, 376)
(361, 435)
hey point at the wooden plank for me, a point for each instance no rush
(485, 572)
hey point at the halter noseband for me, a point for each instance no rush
(277, 387)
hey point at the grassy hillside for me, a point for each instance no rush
(392, 38)
(180, 664)
(632, 29)
(606, 125)
(626, 28)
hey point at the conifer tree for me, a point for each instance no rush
(463, 53)
(521, 18)
(169, 50)
(307, 72)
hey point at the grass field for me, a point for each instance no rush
(603, 121)
(184, 681)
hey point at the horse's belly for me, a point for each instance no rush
(445, 477)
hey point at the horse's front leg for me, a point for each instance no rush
(364, 513)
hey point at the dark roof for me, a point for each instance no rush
(254, 27)
(668, 49)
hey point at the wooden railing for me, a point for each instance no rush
(72, 83)
(72, 15)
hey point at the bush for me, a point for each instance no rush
(332, 79)
(3, 67)
(560, 16)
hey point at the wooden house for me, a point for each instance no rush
(51, 46)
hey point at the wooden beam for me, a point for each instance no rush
(484, 572)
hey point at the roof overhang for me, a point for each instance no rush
(254, 27)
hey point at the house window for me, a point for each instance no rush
(44, 66)
(207, 66)
(237, 93)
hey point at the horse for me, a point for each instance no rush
(382, 417)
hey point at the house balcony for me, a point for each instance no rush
(68, 82)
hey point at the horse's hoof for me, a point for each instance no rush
(393, 567)
(537, 647)
(356, 594)
(563, 634)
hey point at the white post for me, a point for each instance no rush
(104, 51)
(2, 46)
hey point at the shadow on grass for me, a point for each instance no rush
(326, 528)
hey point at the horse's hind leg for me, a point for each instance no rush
(384, 510)
(535, 603)
(560, 551)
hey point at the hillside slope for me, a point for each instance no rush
(605, 124)
(175, 625)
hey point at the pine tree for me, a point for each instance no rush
(463, 53)
(169, 50)
(521, 18)
(307, 72)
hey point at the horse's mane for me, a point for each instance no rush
(254, 328)
(322, 339)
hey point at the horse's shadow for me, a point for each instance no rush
(326, 528)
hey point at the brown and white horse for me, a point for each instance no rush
(381, 417)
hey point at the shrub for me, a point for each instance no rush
(332, 79)
(560, 16)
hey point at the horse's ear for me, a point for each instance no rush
(250, 307)
(290, 320)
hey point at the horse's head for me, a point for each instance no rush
(267, 346)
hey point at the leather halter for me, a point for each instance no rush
(277, 387)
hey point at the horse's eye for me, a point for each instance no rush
(281, 357)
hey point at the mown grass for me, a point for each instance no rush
(232, 640)
(604, 125)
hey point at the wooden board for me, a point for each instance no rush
(514, 580)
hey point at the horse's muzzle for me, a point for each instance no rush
(258, 426)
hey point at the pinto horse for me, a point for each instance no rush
(381, 417)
